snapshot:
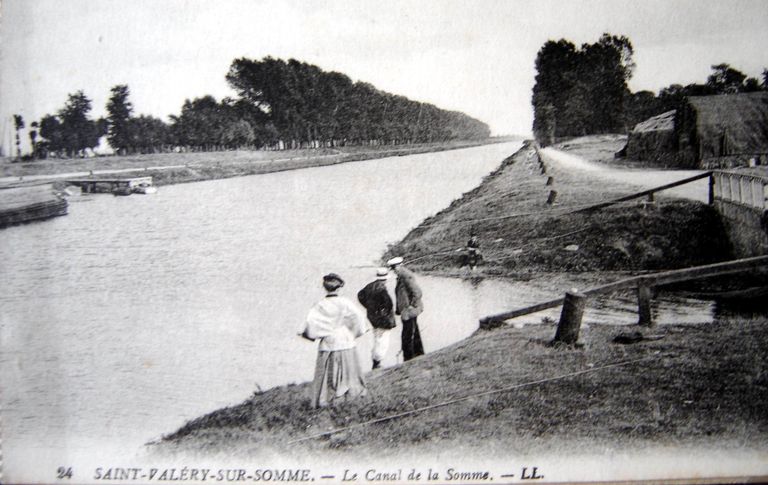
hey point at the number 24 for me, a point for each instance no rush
(62, 472)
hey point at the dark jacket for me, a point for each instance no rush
(377, 302)
(408, 295)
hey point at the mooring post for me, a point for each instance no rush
(570, 318)
(644, 297)
(552, 197)
(550, 180)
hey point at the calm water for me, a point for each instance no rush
(132, 315)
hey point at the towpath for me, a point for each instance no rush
(641, 178)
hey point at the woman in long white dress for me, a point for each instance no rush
(336, 322)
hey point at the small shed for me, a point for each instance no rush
(653, 139)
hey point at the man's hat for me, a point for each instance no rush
(381, 273)
(395, 261)
(333, 277)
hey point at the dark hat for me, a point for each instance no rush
(333, 277)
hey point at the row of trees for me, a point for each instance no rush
(581, 91)
(302, 103)
(278, 105)
(724, 79)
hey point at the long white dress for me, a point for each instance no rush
(336, 322)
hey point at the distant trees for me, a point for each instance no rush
(33, 138)
(71, 131)
(18, 124)
(119, 111)
(580, 91)
(306, 106)
(201, 124)
(280, 104)
(128, 134)
(147, 134)
(724, 79)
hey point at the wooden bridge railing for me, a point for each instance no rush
(740, 188)
(571, 317)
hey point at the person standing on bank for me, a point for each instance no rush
(336, 322)
(408, 305)
(378, 304)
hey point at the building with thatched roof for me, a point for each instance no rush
(653, 140)
(724, 130)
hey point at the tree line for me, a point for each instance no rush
(278, 105)
(583, 91)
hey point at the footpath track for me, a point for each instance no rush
(642, 178)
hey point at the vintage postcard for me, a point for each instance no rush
(363, 242)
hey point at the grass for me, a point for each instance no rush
(701, 385)
(522, 235)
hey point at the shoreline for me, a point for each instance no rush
(175, 168)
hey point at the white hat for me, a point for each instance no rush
(395, 261)
(381, 273)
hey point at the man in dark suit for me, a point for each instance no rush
(409, 306)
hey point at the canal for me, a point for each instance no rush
(132, 315)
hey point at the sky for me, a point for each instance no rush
(468, 55)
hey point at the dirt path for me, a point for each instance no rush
(641, 178)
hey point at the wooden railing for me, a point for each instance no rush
(643, 284)
(649, 193)
(744, 189)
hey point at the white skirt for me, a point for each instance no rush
(338, 376)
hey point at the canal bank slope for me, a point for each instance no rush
(506, 392)
(521, 235)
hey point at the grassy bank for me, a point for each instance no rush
(522, 235)
(172, 168)
(699, 386)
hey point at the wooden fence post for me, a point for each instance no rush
(552, 197)
(644, 297)
(711, 188)
(570, 318)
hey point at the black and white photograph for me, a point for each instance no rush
(383, 242)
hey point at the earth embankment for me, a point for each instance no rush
(506, 392)
(522, 234)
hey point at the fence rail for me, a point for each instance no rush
(642, 283)
(645, 193)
